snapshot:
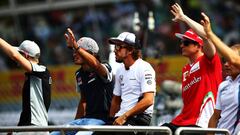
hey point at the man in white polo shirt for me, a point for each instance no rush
(135, 86)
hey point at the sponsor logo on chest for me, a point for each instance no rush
(194, 79)
(193, 69)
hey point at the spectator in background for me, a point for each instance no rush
(135, 85)
(94, 82)
(227, 111)
(3, 66)
(199, 82)
(36, 94)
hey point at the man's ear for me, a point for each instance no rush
(130, 51)
(26, 55)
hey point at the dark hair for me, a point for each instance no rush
(97, 57)
(136, 53)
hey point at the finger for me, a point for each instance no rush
(177, 4)
(70, 31)
(175, 7)
(202, 22)
(205, 16)
(115, 122)
(175, 20)
(174, 13)
(66, 36)
(72, 35)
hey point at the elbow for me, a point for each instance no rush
(149, 102)
(96, 65)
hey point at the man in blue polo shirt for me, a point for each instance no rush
(94, 82)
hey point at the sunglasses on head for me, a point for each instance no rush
(188, 42)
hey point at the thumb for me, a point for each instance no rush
(174, 20)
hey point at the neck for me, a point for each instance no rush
(128, 62)
(195, 57)
(234, 76)
(36, 61)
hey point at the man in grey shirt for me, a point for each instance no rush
(36, 93)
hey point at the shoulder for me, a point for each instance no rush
(107, 65)
(224, 84)
(214, 59)
(143, 65)
(144, 68)
(120, 69)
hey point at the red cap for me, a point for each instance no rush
(191, 35)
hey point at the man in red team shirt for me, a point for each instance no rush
(200, 77)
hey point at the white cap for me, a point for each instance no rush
(30, 48)
(88, 44)
(127, 38)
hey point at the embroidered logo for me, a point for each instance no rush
(91, 80)
(79, 81)
(149, 82)
(121, 78)
(185, 75)
(195, 67)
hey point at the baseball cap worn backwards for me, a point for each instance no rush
(30, 48)
(190, 35)
(88, 44)
(127, 38)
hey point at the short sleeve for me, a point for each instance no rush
(219, 94)
(77, 87)
(38, 68)
(117, 88)
(218, 100)
(148, 81)
(109, 73)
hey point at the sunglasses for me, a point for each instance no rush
(223, 60)
(188, 42)
(119, 47)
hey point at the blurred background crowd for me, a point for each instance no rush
(46, 21)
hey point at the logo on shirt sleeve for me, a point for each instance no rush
(149, 82)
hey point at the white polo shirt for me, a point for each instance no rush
(132, 83)
(227, 102)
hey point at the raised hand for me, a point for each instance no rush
(70, 39)
(177, 12)
(206, 24)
